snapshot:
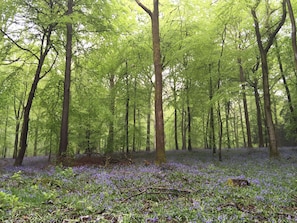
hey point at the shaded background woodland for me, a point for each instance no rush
(212, 92)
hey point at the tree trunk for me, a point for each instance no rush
(110, 137)
(18, 114)
(220, 131)
(175, 115)
(273, 149)
(205, 128)
(27, 109)
(127, 112)
(235, 127)
(189, 118)
(36, 137)
(242, 126)
(212, 142)
(245, 106)
(227, 106)
(67, 81)
(259, 115)
(160, 135)
(148, 121)
(134, 118)
(4, 151)
(283, 76)
(183, 129)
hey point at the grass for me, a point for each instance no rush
(191, 187)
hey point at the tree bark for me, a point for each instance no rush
(245, 105)
(273, 149)
(227, 109)
(127, 111)
(36, 136)
(211, 120)
(148, 121)
(220, 131)
(4, 151)
(259, 114)
(184, 129)
(160, 134)
(242, 126)
(175, 115)
(18, 114)
(134, 118)
(189, 117)
(110, 137)
(67, 82)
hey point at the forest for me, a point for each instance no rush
(148, 111)
(82, 76)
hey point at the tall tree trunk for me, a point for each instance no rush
(273, 149)
(255, 87)
(259, 114)
(293, 31)
(242, 125)
(36, 136)
(189, 118)
(27, 109)
(227, 106)
(183, 129)
(134, 118)
(205, 127)
(220, 131)
(212, 142)
(236, 130)
(175, 115)
(4, 151)
(16, 139)
(127, 111)
(245, 105)
(148, 121)
(67, 81)
(160, 134)
(18, 114)
(220, 122)
(283, 76)
(110, 137)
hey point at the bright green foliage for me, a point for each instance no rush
(8, 201)
(201, 41)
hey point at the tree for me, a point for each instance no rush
(67, 81)
(159, 121)
(46, 29)
(263, 50)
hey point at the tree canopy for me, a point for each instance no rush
(228, 71)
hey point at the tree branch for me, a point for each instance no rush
(146, 9)
(52, 65)
(18, 45)
(279, 26)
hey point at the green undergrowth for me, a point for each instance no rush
(191, 189)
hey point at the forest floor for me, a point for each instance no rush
(191, 187)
